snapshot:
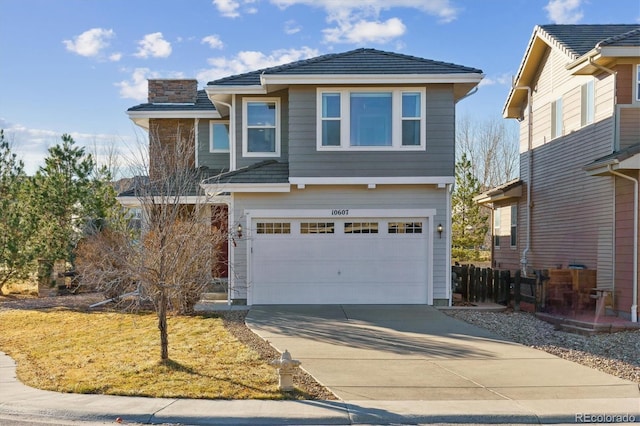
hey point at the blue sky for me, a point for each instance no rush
(73, 66)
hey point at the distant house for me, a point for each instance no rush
(575, 205)
(335, 171)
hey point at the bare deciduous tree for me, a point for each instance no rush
(170, 261)
(492, 148)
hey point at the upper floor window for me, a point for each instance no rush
(383, 119)
(514, 225)
(638, 82)
(261, 127)
(587, 103)
(556, 118)
(219, 136)
(496, 227)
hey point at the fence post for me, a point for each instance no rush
(507, 287)
(464, 282)
(496, 286)
(516, 292)
(483, 285)
(472, 283)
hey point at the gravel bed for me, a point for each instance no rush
(617, 354)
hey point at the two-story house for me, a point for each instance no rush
(577, 97)
(337, 172)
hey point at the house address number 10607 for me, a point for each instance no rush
(340, 212)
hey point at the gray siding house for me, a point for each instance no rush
(336, 173)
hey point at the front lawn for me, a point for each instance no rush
(119, 354)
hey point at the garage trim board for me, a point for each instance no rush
(337, 255)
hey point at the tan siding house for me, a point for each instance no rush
(576, 97)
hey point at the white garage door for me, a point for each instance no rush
(334, 261)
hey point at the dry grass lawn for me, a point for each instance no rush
(119, 354)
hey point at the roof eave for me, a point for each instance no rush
(240, 89)
(285, 79)
(218, 188)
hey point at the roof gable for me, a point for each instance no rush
(576, 42)
(355, 62)
(580, 39)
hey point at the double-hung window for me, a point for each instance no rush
(496, 227)
(638, 82)
(514, 225)
(380, 119)
(261, 127)
(219, 136)
(587, 102)
(556, 118)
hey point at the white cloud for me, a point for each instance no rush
(501, 79)
(365, 31)
(90, 43)
(564, 11)
(291, 27)
(136, 87)
(115, 57)
(213, 41)
(228, 8)
(31, 145)
(251, 61)
(153, 45)
(359, 21)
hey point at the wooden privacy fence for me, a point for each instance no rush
(491, 285)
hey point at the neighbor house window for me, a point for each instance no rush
(261, 127)
(514, 225)
(587, 102)
(219, 136)
(637, 82)
(383, 119)
(496, 227)
(556, 118)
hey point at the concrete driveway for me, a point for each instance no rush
(408, 352)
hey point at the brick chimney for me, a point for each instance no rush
(173, 91)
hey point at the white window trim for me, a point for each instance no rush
(396, 119)
(245, 147)
(513, 224)
(211, 146)
(557, 119)
(497, 217)
(637, 83)
(587, 103)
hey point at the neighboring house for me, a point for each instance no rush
(337, 172)
(577, 97)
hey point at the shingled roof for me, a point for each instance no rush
(580, 39)
(203, 103)
(354, 62)
(269, 171)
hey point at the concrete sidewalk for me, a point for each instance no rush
(389, 365)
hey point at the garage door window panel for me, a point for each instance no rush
(405, 228)
(361, 228)
(317, 228)
(271, 228)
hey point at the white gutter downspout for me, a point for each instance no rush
(231, 211)
(614, 146)
(232, 132)
(615, 99)
(524, 261)
(634, 304)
